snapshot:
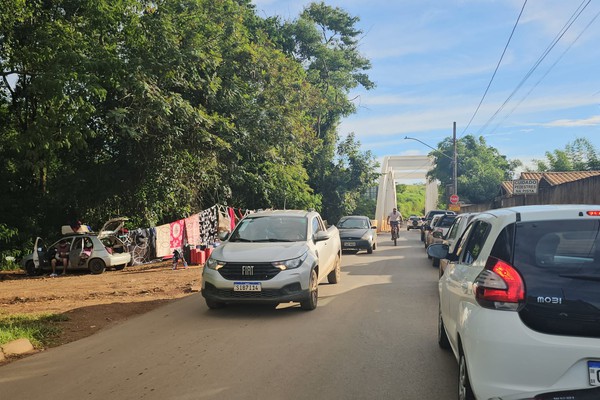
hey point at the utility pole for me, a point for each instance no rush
(454, 161)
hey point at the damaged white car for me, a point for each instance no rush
(87, 250)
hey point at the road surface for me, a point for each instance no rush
(372, 336)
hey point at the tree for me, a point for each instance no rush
(481, 168)
(154, 110)
(581, 155)
(350, 175)
(324, 40)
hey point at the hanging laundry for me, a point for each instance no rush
(224, 222)
(231, 218)
(208, 225)
(143, 245)
(176, 235)
(163, 240)
(192, 229)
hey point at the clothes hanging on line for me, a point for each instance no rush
(208, 225)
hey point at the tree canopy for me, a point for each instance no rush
(580, 155)
(481, 168)
(156, 110)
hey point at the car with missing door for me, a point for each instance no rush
(274, 256)
(87, 250)
(519, 304)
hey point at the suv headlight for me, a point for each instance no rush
(290, 264)
(214, 264)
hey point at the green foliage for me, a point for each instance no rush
(39, 329)
(581, 155)
(365, 206)
(347, 177)
(410, 199)
(155, 110)
(324, 40)
(481, 168)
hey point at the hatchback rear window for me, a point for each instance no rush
(445, 222)
(560, 265)
(572, 245)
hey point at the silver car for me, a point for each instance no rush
(87, 250)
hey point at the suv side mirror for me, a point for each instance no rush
(321, 235)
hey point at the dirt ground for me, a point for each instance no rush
(94, 302)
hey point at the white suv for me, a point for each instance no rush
(520, 303)
(274, 256)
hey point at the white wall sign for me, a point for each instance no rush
(525, 186)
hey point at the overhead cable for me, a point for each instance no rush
(564, 30)
(546, 73)
(496, 70)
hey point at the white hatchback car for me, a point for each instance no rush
(519, 303)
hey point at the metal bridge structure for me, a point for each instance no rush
(398, 168)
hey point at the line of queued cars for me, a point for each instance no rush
(519, 302)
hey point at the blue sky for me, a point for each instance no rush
(433, 59)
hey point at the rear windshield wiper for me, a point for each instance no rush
(241, 240)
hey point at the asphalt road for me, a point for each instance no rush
(372, 336)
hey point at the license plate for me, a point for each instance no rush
(594, 370)
(350, 244)
(246, 287)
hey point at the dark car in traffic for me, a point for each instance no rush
(357, 233)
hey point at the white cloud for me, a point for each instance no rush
(592, 121)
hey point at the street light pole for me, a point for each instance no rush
(454, 161)
(433, 148)
(454, 157)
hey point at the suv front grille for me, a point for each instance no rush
(264, 294)
(248, 271)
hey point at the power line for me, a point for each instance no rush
(496, 70)
(564, 30)
(546, 73)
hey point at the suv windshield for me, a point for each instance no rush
(270, 229)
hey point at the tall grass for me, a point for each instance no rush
(40, 329)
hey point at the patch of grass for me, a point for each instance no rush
(40, 329)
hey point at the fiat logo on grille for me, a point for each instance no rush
(247, 269)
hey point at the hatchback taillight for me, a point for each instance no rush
(499, 286)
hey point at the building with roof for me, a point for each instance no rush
(571, 187)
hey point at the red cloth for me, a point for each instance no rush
(176, 238)
(231, 213)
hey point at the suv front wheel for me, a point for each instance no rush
(313, 292)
